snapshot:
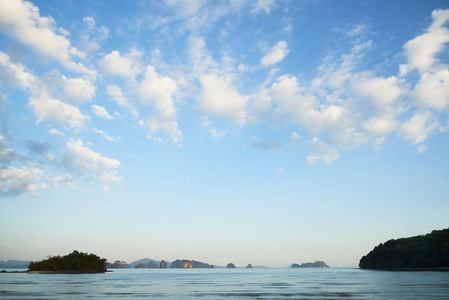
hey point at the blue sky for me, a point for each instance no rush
(264, 132)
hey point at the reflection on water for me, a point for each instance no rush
(333, 283)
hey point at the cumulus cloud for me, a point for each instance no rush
(215, 133)
(101, 112)
(115, 64)
(220, 97)
(379, 126)
(418, 127)
(49, 109)
(158, 90)
(62, 179)
(45, 107)
(21, 20)
(15, 181)
(83, 159)
(116, 94)
(276, 54)
(295, 104)
(432, 90)
(421, 51)
(78, 90)
(384, 93)
(321, 151)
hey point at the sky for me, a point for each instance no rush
(245, 131)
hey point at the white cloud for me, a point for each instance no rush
(105, 188)
(101, 112)
(22, 21)
(295, 104)
(49, 109)
(115, 92)
(158, 90)
(83, 160)
(92, 36)
(15, 181)
(421, 148)
(379, 126)
(383, 92)
(220, 97)
(104, 135)
(358, 29)
(201, 58)
(45, 108)
(418, 127)
(86, 157)
(421, 51)
(54, 131)
(78, 90)
(295, 139)
(281, 171)
(62, 179)
(215, 133)
(432, 90)
(185, 8)
(263, 5)
(115, 64)
(379, 142)
(276, 54)
(321, 151)
(15, 74)
(154, 138)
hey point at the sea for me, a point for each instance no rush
(239, 283)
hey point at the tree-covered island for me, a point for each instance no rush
(430, 251)
(75, 262)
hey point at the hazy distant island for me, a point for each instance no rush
(230, 266)
(75, 262)
(317, 264)
(14, 264)
(118, 264)
(430, 251)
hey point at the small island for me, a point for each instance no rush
(75, 262)
(118, 264)
(430, 251)
(317, 264)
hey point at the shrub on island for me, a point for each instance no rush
(77, 262)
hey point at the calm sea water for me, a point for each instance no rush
(333, 283)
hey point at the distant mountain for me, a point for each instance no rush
(151, 263)
(14, 264)
(317, 264)
(418, 252)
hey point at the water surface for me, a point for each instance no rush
(332, 283)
